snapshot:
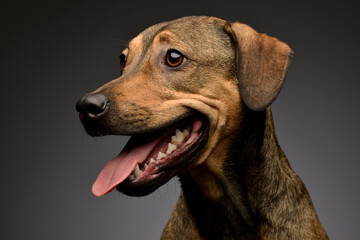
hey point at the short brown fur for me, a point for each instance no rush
(240, 184)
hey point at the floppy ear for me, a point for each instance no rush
(262, 63)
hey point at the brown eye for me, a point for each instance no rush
(174, 58)
(122, 62)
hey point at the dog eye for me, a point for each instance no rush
(122, 62)
(174, 58)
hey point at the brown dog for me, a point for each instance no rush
(195, 94)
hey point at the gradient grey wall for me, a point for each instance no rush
(52, 52)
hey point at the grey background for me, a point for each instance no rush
(52, 52)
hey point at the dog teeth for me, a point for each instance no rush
(179, 136)
(171, 147)
(160, 155)
(175, 140)
(137, 172)
(186, 133)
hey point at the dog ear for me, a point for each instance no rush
(262, 63)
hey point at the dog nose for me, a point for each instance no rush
(92, 105)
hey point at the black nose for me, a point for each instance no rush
(92, 105)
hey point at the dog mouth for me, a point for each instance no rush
(150, 160)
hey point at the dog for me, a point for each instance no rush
(195, 95)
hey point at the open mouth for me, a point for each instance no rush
(145, 164)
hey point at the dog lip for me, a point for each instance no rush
(158, 173)
(161, 147)
(137, 150)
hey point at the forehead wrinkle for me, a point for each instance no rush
(149, 36)
(165, 38)
(139, 46)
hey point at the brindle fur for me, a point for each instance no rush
(240, 186)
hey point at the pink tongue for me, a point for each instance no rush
(119, 168)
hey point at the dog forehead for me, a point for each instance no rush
(187, 29)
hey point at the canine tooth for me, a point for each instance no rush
(175, 140)
(152, 160)
(137, 172)
(179, 135)
(186, 132)
(171, 147)
(160, 155)
(131, 177)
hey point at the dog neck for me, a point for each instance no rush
(249, 197)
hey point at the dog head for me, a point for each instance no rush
(180, 95)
